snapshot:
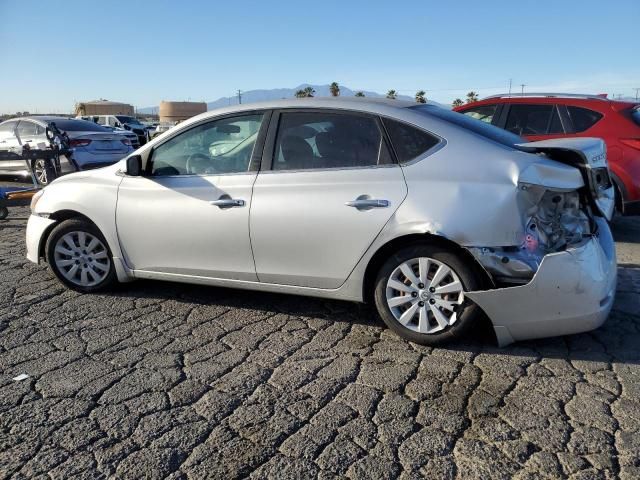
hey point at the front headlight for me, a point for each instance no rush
(34, 200)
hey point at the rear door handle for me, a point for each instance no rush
(368, 203)
(228, 202)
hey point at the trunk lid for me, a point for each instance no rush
(102, 143)
(589, 155)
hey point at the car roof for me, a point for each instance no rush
(350, 103)
(596, 102)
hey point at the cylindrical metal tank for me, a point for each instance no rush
(179, 111)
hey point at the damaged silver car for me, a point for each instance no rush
(430, 215)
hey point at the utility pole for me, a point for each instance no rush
(239, 96)
(637, 90)
(522, 89)
(510, 86)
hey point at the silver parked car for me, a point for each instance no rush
(429, 214)
(93, 145)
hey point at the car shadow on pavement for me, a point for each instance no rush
(615, 342)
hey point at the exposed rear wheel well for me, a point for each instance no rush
(59, 217)
(396, 244)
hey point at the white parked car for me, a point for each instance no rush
(430, 215)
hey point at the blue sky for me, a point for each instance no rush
(141, 52)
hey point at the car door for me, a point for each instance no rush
(534, 121)
(189, 215)
(327, 188)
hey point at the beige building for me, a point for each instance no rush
(104, 107)
(171, 112)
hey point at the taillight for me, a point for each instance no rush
(126, 141)
(79, 142)
(631, 142)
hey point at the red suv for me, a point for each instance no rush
(545, 115)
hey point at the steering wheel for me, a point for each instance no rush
(199, 163)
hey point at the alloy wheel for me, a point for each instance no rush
(424, 295)
(82, 258)
(40, 171)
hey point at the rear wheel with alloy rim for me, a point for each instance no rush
(420, 294)
(39, 168)
(79, 256)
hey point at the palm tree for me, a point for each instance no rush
(472, 97)
(457, 103)
(305, 92)
(334, 88)
(392, 94)
(359, 93)
(420, 96)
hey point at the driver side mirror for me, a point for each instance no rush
(134, 166)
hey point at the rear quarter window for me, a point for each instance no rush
(408, 142)
(583, 118)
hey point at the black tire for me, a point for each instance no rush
(79, 225)
(4, 213)
(467, 314)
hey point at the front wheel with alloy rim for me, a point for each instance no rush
(419, 293)
(79, 256)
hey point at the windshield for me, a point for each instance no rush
(126, 119)
(78, 126)
(635, 114)
(476, 126)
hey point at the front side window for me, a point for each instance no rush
(7, 128)
(212, 148)
(309, 140)
(582, 118)
(531, 119)
(408, 142)
(484, 113)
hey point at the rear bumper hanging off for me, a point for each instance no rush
(572, 292)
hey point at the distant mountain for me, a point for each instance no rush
(251, 96)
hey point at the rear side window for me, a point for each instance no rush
(309, 140)
(583, 118)
(29, 129)
(484, 113)
(408, 142)
(533, 120)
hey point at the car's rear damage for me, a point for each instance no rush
(560, 277)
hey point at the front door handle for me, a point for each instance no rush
(368, 203)
(228, 202)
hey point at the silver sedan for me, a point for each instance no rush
(429, 215)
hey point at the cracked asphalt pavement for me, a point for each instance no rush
(162, 380)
